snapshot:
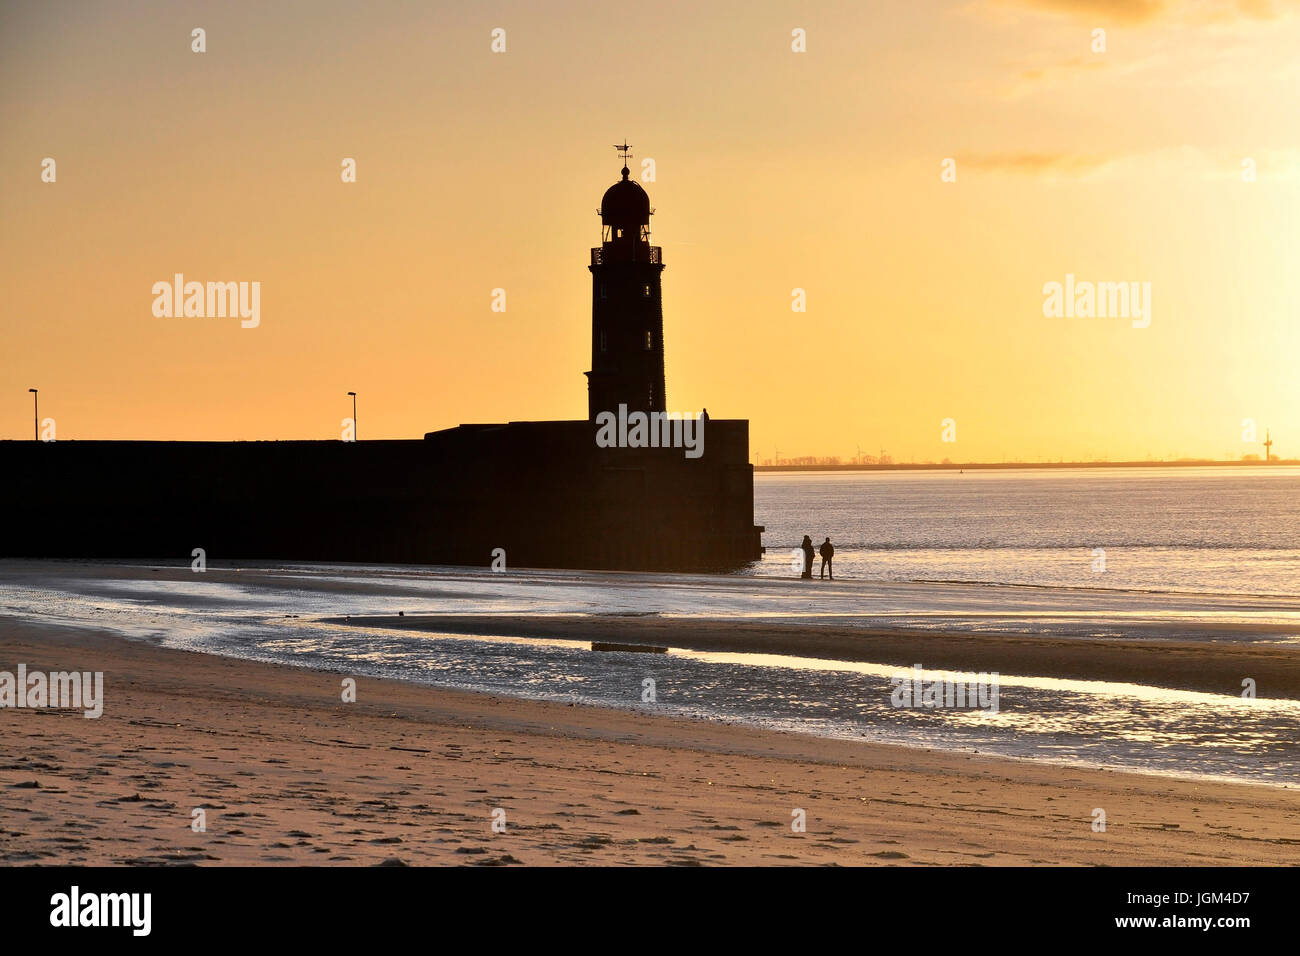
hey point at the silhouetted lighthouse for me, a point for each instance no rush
(627, 319)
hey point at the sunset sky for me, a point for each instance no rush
(775, 170)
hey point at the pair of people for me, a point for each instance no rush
(809, 556)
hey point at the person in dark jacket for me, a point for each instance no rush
(828, 552)
(809, 555)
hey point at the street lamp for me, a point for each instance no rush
(36, 415)
(354, 415)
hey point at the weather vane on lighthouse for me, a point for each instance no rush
(624, 151)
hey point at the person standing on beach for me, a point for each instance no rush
(828, 552)
(808, 555)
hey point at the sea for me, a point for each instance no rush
(1187, 554)
(1229, 530)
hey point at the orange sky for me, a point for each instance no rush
(775, 170)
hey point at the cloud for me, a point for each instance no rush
(1041, 73)
(1032, 79)
(1129, 12)
(1031, 163)
(1112, 11)
(1040, 78)
(1185, 162)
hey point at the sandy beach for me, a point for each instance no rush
(289, 774)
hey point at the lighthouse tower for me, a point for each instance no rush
(627, 320)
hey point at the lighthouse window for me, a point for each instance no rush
(649, 340)
(645, 291)
(620, 233)
(602, 290)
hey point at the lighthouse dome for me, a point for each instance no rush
(625, 204)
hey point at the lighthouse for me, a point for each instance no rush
(627, 320)
(550, 494)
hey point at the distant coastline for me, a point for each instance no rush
(1002, 465)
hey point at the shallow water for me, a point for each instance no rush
(1084, 722)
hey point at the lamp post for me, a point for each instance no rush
(36, 415)
(354, 415)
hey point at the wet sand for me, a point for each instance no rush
(1206, 643)
(1215, 667)
(289, 774)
